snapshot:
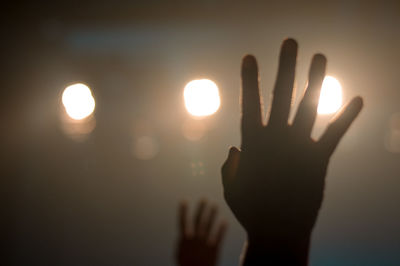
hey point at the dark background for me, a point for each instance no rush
(90, 201)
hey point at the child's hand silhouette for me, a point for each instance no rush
(197, 245)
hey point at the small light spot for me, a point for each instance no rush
(197, 168)
(145, 148)
(392, 140)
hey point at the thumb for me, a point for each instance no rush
(230, 166)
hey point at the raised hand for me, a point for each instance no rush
(274, 185)
(197, 245)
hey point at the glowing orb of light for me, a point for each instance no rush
(201, 97)
(78, 101)
(330, 99)
(145, 148)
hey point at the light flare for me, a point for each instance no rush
(201, 97)
(78, 101)
(330, 99)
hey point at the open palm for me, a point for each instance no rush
(274, 184)
(197, 245)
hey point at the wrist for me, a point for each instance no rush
(276, 251)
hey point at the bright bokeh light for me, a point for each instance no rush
(78, 101)
(201, 97)
(331, 96)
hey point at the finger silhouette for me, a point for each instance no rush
(251, 103)
(220, 233)
(336, 129)
(198, 218)
(183, 217)
(210, 220)
(283, 91)
(307, 111)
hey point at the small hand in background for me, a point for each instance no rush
(197, 245)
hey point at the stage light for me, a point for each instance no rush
(331, 96)
(201, 97)
(78, 101)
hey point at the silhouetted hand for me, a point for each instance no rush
(274, 185)
(197, 245)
